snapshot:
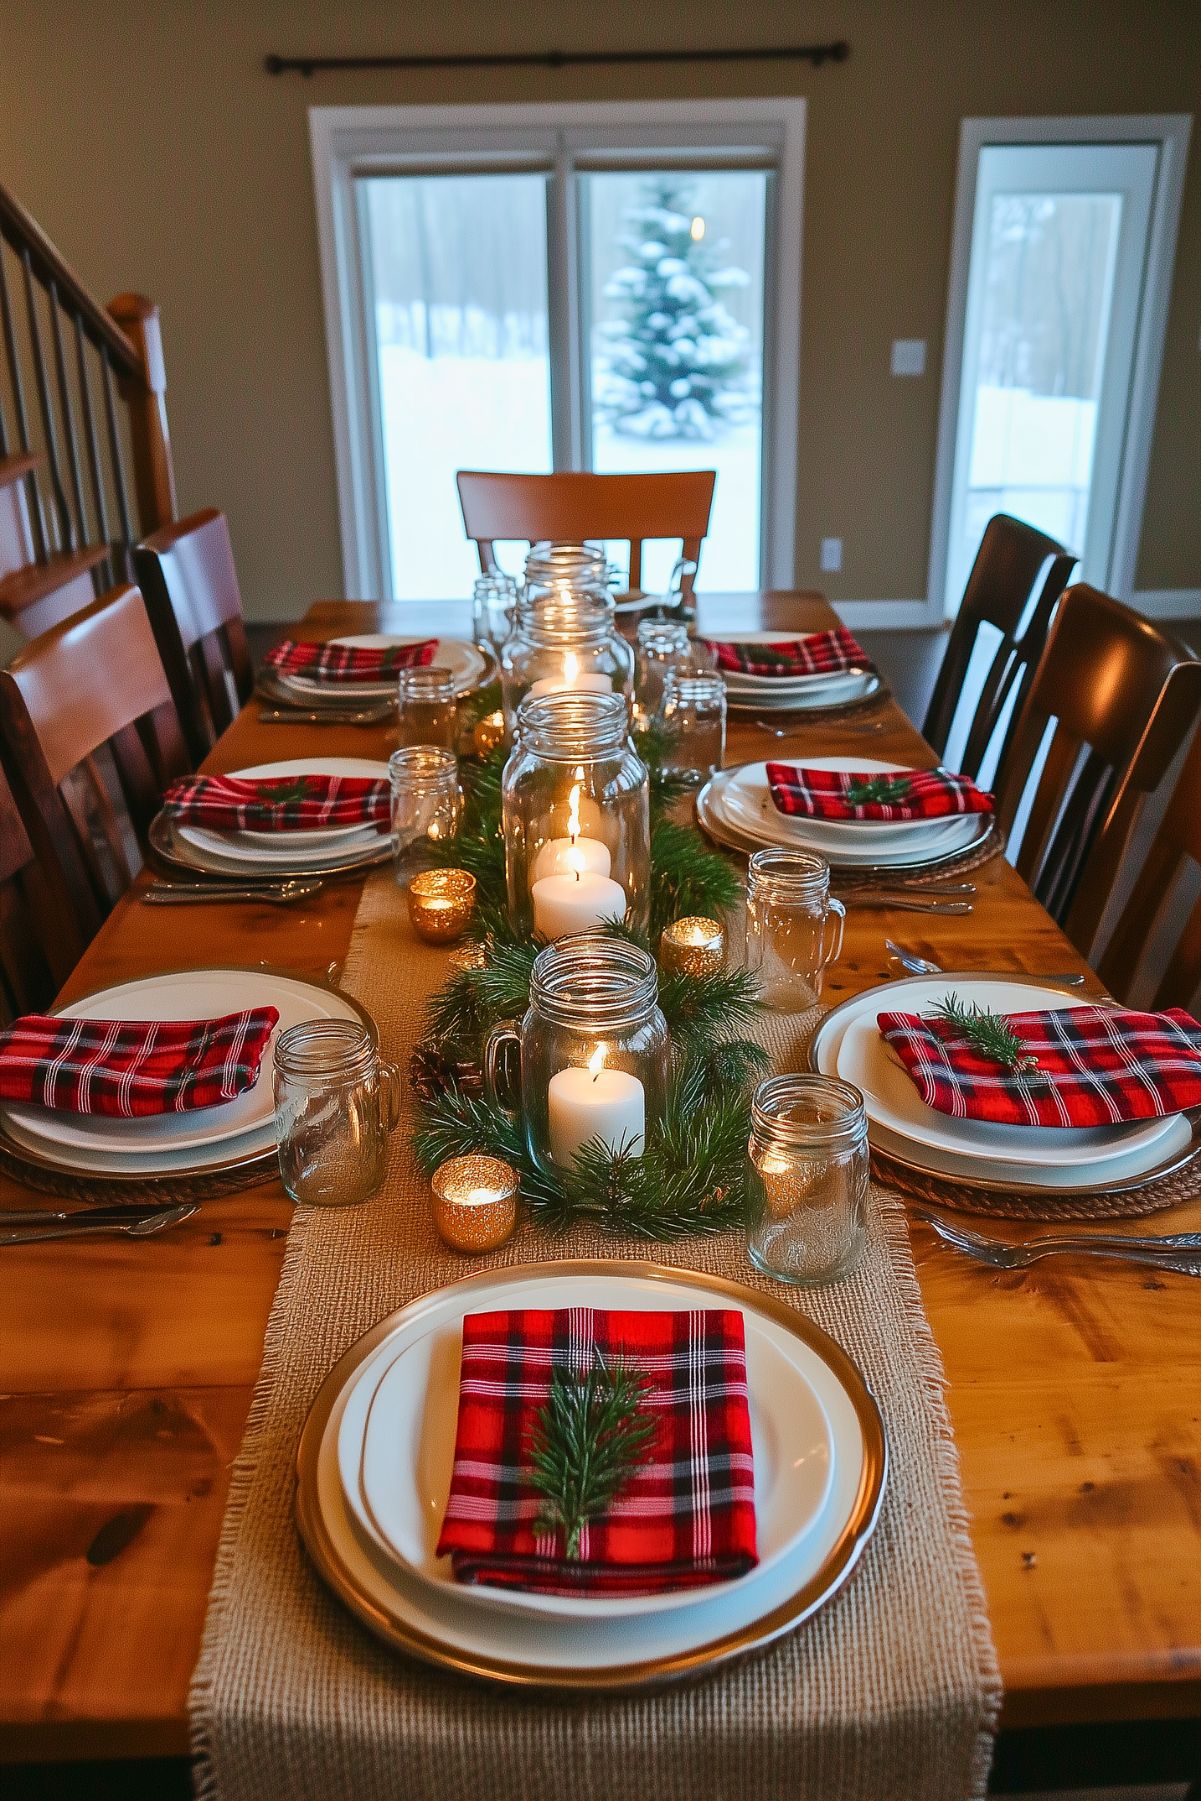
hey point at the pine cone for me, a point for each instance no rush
(432, 1072)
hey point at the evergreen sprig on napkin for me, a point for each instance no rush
(588, 1439)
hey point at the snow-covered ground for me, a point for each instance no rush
(479, 412)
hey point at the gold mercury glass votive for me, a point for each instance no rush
(441, 903)
(488, 733)
(693, 947)
(475, 1201)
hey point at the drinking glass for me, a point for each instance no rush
(793, 925)
(426, 802)
(807, 1172)
(336, 1100)
(429, 711)
(662, 645)
(694, 717)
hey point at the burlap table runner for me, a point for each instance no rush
(891, 1691)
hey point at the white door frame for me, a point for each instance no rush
(1170, 132)
(346, 140)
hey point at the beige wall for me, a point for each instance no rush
(150, 144)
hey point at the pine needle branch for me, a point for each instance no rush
(988, 1033)
(588, 1439)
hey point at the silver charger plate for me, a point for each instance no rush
(733, 837)
(166, 842)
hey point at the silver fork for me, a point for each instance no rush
(144, 1227)
(786, 731)
(193, 894)
(1179, 1251)
(925, 966)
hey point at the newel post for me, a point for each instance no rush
(154, 473)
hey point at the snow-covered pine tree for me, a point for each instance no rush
(677, 361)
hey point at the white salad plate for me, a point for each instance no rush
(827, 692)
(466, 662)
(848, 1045)
(445, 1623)
(194, 1139)
(397, 1473)
(748, 796)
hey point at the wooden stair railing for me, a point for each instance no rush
(82, 402)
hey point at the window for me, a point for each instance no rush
(608, 287)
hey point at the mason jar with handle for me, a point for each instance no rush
(794, 925)
(336, 1100)
(591, 1052)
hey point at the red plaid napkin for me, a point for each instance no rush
(1096, 1066)
(821, 653)
(344, 663)
(131, 1068)
(868, 794)
(300, 803)
(686, 1516)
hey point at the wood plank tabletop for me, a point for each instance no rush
(126, 1369)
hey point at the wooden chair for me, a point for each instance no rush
(190, 585)
(90, 736)
(571, 507)
(998, 593)
(1119, 950)
(40, 942)
(1096, 686)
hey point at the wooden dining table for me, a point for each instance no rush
(127, 1367)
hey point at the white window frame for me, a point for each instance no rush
(1170, 133)
(349, 141)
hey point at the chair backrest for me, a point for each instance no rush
(1097, 685)
(571, 507)
(190, 584)
(1118, 953)
(40, 942)
(998, 593)
(90, 737)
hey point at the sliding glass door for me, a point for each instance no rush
(530, 293)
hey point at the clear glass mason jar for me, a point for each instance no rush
(336, 1100)
(569, 644)
(694, 718)
(493, 604)
(661, 644)
(592, 1049)
(427, 706)
(793, 925)
(557, 568)
(426, 802)
(575, 805)
(807, 1173)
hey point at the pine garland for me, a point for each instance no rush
(690, 1175)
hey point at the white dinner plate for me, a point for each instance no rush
(758, 684)
(167, 1141)
(749, 783)
(733, 816)
(1029, 1156)
(445, 1623)
(397, 1476)
(333, 844)
(465, 661)
(831, 691)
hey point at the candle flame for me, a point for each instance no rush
(573, 813)
(596, 1061)
(571, 667)
(574, 860)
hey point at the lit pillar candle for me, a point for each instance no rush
(577, 853)
(573, 679)
(575, 903)
(608, 1104)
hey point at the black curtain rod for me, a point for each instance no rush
(817, 54)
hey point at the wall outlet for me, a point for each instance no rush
(909, 356)
(831, 555)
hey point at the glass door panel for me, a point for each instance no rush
(1058, 262)
(673, 293)
(455, 270)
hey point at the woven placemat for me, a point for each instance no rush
(76, 1185)
(1048, 1204)
(991, 845)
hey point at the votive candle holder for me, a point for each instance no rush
(441, 904)
(693, 946)
(475, 1201)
